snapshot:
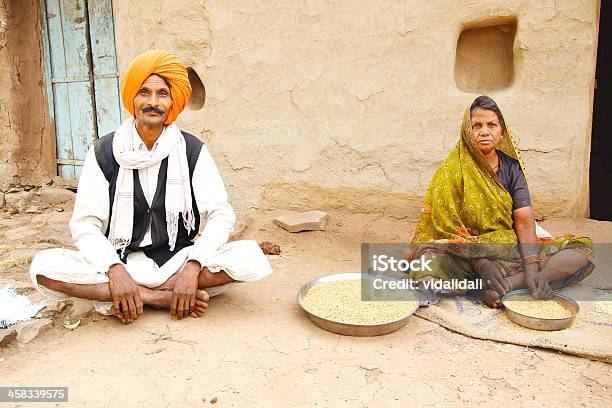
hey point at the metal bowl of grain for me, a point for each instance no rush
(557, 313)
(334, 303)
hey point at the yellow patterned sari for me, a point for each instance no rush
(467, 214)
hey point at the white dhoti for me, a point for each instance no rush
(243, 261)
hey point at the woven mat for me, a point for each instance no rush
(589, 336)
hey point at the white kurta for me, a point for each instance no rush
(241, 260)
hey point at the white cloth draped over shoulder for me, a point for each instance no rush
(242, 260)
(178, 189)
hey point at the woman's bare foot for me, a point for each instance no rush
(160, 299)
(491, 298)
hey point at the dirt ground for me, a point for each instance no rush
(256, 348)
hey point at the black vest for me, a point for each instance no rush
(155, 215)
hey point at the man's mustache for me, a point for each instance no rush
(153, 109)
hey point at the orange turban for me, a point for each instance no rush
(163, 64)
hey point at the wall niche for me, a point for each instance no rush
(484, 59)
(198, 91)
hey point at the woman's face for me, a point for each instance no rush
(486, 130)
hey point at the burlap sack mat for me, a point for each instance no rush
(589, 336)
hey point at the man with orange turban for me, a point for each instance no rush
(143, 193)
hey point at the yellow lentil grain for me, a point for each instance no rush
(340, 301)
(529, 306)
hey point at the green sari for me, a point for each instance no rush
(467, 215)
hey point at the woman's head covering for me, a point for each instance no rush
(161, 63)
(506, 145)
(466, 201)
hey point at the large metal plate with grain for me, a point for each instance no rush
(351, 329)
(541, 323)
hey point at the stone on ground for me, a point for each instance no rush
(304, 221)
(56, 196)
(7, 336)
(270, 248)
(18, 200)
(28, 331)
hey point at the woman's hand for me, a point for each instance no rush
(524, 225)
(540, 288)
(492, 276)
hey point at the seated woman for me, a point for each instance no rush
(477, 220)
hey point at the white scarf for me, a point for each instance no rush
(171, 144)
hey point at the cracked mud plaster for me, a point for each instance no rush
(304, 196)
(290, 84)
(27, 143)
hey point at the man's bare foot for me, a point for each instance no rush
(160, 299)
(201, 303)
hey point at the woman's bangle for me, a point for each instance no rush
(531, 259)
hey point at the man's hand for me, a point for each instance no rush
(127, 305)
(540, 288)
(492, 277)
(184, 297)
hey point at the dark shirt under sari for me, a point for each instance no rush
(512, 178)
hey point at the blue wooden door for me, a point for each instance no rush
(82, 76)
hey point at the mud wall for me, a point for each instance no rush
(27, 138)
(8, 167)
(352, 105)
